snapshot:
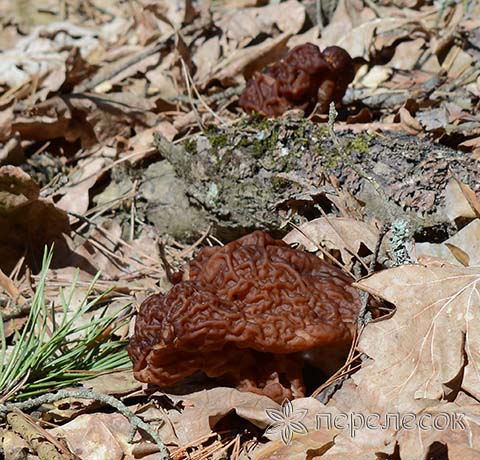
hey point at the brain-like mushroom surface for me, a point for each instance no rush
(304, 78)
(242, 315)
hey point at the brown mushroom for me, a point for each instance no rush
(244, 312)
(304, 78)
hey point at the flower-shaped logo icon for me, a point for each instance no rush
(286, 421)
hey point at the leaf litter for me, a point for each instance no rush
(84, 86)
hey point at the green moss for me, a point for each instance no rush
(278, 144)
(264, 141)
(323, 131)
(190, 146)
(359, 144)
(331, 157)
(260, 138)
(280, 184)
(234, 171)
(218, 139)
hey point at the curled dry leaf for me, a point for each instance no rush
(141, 146)
(471, 197)
(246, 61)
(463, 248)
(473, 144)
(27, 222)
(11, 153)
(461, 201)
(407, 54)
(204, 409)
(6, 118)
(347, 23)
(409, 123)
(431, 339)
(244, 25)
(76, 193)
(92, 436)
(90, 118)
(342, 233)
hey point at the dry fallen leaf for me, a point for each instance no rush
(463, 248)
(246, 61)
(13, 445)
(471, 197)
(99, 436)
(330, 434)
(141, 146)
(344, 234)
(45, 50)
(299, 449)
(76, 193)
(309, 415)
(431, 339)
(409, 124)
(243, 25)
(90, 118)
(473, 145)
(407, 54)
(460, 201)
(27, 222)
(458, 428)
(114, 383)
(204, 409)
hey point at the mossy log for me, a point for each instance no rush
(257, 175)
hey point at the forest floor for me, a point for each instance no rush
(123, 152)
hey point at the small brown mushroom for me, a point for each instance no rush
(304, 78)
(244, 312)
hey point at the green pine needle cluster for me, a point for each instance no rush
(53, 350)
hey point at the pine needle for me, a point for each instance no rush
(54, 350)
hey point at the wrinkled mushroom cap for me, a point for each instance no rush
(305, 77)
(253, 296)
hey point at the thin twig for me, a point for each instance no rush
(200, 98)
(135, 421)
(117, 68)
(111, 238)
(352, 251)
(132, 210)
(319, 248)
(362, 319)
(189, 91)
(197, 243)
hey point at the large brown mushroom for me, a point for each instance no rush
(305, 77)
(242, 314)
